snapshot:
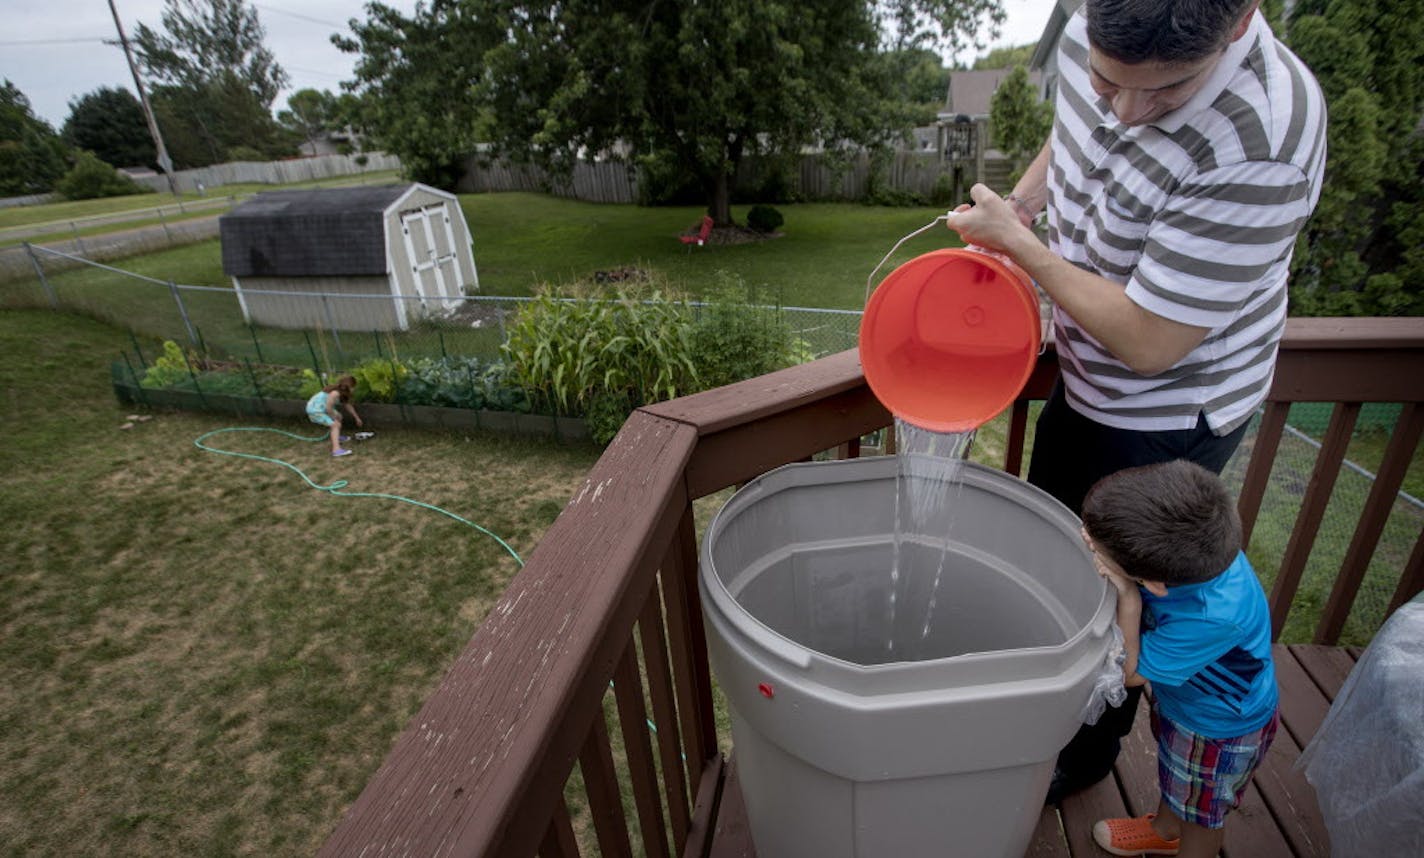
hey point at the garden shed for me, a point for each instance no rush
(371, 258)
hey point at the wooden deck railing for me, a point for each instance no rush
(609, 597)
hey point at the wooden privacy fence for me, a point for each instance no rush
(813, 178)
(610, 597)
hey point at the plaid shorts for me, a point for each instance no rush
(1202, 779)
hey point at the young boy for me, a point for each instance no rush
(1195, 625)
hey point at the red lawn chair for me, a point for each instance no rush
(698, 238)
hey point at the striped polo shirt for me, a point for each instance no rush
(1196, 215)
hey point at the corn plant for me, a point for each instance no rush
(634, 345)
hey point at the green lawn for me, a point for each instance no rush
(822, 258)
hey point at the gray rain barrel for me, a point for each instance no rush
(913, 713)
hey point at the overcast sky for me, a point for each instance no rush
(54, 50)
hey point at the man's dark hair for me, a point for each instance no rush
(1173, 522)
(1164, 31)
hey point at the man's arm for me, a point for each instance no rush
(1030, 194)
(1146, 342)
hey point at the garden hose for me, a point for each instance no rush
(336, 487)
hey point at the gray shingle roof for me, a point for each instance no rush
(330, 232)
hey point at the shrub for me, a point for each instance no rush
(169, 368)
(565, 351)
(246, 153)
(764, 219)
(91, 178)
(607, 412)
(379, 379)
(943, 194)
(736, 338)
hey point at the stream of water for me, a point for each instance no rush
(927, 488)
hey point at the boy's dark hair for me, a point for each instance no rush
(1164, 31)
(1173, 522)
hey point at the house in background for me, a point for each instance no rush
(371, 258)
(1044, 61)
(963, 130)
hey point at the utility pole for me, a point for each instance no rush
(165, 163)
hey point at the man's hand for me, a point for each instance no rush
(991, 222)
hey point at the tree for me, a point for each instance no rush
(109, 123)
(91, 178)
(310, 113)
(1019, 121)
(210, 40)
(683, 90)
(216, 81)
(211, 124)
(32, 156)
(920, 79)
(1369, 59)
(1005, 57)
(415, 81)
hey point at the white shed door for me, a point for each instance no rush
(430, 246)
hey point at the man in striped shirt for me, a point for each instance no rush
(1186, 155)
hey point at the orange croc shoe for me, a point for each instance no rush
(1133, 837)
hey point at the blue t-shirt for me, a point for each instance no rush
(1206, 649)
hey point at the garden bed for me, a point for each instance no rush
(375, 414)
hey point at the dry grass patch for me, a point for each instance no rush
(203, 655)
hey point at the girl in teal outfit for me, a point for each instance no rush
(321, 410)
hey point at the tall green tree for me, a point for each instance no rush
(1355, 255)
(921, 79)
(32, 156)
(310, 114)
(215, 81)
(1019, 121)
(1006, 57)
(415, 84)
(109, 122)
(684, 90)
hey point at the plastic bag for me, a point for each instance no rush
(1366, 761)
(1108, 689)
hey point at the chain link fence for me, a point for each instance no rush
(209, 320)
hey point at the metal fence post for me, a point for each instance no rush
(78, 242)
(331, 326)
(183, 311)
(138, 351)
(255, 344)
(194, 376)
(44, 281)
(316, 364)
(164, 221)
(138, 384)
(256, 386)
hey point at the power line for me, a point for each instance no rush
(267, 8)
(313, 71)
(50, 41)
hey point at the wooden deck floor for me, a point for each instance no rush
(1278, 818)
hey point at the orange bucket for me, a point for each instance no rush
(949, 338)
